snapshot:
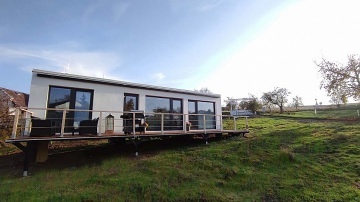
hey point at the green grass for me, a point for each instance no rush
(344, 113)
(282, 159)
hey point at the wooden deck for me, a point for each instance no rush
(69, 136)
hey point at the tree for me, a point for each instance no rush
(277, 97)
(204, 90)
(297, 101)
(231, 103)
(5, 120)
(339, 80)
(338, 99)
(254, 104)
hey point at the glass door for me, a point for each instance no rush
(82, 102)
(61, 98)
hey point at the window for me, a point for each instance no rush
(69, 98)
(172, 109)
(130, 102)
(196, 117)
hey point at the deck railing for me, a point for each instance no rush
(157, 122)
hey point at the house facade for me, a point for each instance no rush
(90, 97)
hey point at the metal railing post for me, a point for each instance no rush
(247, 125)
(63, 123)
(162, 124)
(133, 123)
(204, 123)
(221, 122)
(100, 125)
(184, 122)
(234, 123)
(16, 121)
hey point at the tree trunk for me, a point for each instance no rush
(281, 109)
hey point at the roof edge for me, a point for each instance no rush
(90, 79)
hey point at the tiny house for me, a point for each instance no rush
(85, 97)
(69, 107)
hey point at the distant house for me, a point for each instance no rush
(13, 99)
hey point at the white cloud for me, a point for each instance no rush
(97, 64)
(157, 76)
(199, 5)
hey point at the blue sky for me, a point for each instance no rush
(233, 47)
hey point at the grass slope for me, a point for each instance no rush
(282, 159)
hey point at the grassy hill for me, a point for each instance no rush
(284, 158)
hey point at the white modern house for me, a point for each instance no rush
(66, 107)
(87, 97)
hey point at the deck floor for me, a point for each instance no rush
(69, 136)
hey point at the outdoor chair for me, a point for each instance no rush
(88, 127)
(42, 128)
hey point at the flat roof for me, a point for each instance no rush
(88, 79)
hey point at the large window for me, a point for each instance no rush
(69, 98)
(197, 110)
(170, 107)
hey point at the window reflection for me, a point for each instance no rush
(199, 108)
(69, 98)
(170, 107)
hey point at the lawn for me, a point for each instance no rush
(283, 158)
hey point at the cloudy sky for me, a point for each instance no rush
(232, 47)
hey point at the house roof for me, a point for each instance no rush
(66, 76)
(19, 99)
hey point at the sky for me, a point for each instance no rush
(232, 47)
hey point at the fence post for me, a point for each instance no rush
(162, 124)
(234, 123)
(221, 122)
(100, 125)
(204, 123)
(16, 121)
(63, 123)
(358, 113)
(133, 123)
(247, 125)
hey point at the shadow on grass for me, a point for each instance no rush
(94, 155)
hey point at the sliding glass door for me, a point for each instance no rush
(171, 109)
(61, 98)
(197, 110)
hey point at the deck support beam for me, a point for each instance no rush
(136, 141)
(206, 137)
(29, 149)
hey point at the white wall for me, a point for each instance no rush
(107, 97)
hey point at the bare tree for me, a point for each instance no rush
(277, 97)
(341, 81)
(5, 120)
(204, 90)
(297, 101)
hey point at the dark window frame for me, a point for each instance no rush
(71, 114)
(196, 121)
(133, 95)
(171, 112)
